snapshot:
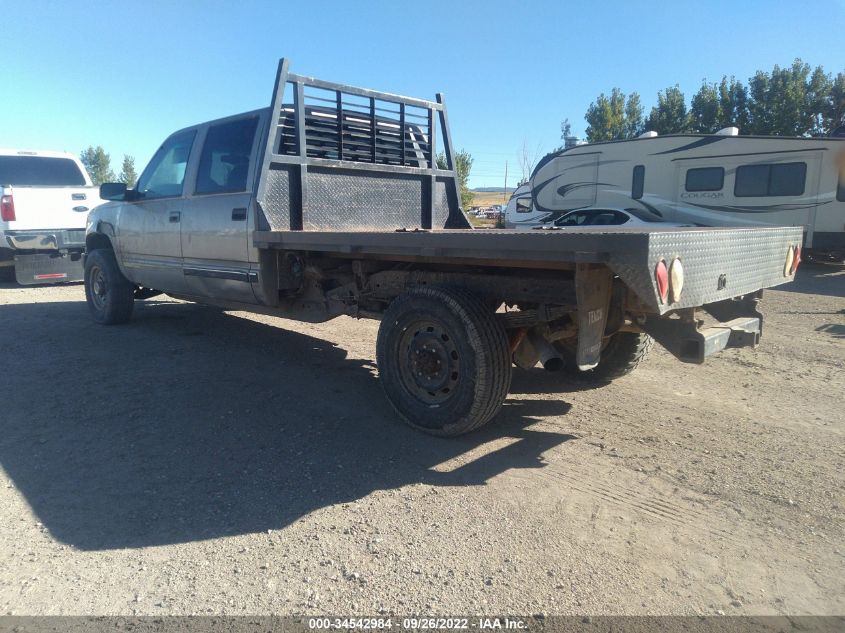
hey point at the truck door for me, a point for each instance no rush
(217, 220)
(150, 240)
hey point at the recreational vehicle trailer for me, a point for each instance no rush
(705, 179)
(518, 205)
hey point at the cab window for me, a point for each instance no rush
(165, 175)
(224, 162)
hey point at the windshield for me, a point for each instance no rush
(645, 216)
(34, 171)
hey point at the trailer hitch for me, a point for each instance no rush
(690, 343)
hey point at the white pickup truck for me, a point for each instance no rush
(44, 201)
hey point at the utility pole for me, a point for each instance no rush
(505, 192)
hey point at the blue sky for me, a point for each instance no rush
(126, 74)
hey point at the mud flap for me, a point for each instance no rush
(593, 286)
(43, 268)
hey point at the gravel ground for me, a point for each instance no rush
(200, 461)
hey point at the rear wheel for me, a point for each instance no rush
(109, 294)
(622, 355)
(443, 359)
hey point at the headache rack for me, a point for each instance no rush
(340, 158)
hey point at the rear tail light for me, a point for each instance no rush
(796, 259)
(661, 276)
(7, 208)
(676, 279)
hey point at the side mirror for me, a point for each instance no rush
(113, 191)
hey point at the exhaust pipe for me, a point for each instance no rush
(549, 356)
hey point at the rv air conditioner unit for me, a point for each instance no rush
(649, 134)
(728, 131)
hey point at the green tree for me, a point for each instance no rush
(705, 114)
(98, 164)
(463, 167)
(669, 116)
(733, 105)
(818, 100)
(778, 101)
(614, 117)
(633, 116)
(836, 109)
(127, 171)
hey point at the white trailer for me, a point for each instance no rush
(704, 179)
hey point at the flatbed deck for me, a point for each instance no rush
(720, 263)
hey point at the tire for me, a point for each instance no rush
(622, 355)
(443, 359)
(7, 273)
(110, 295)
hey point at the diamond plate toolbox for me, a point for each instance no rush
(719, 263)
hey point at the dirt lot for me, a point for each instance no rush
(198, 461)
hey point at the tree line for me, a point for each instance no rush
(790, 101)
(98, 164)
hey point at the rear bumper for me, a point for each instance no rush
(45, 240)
(739, 324)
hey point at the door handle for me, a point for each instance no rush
(239, 214)
(175, 216)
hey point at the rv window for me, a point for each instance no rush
(638, 182)
(705, 179)
(785, 179)
(523, 205)
(840, 191)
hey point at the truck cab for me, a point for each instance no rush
(185, 227)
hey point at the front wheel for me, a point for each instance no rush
(110, 295)
(443, 360)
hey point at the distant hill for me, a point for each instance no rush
(493, 190)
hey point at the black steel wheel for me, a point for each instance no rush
(109, 294)
(443, 360)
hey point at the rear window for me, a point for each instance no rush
(705, 179)
(784, 179)
(645, 216)
(40, 171)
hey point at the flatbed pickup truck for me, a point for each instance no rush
(331, 202)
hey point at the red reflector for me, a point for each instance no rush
(661, 276)
(796, 260)
(7, 208)
(51, 276)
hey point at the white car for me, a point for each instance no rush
(611, 217)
